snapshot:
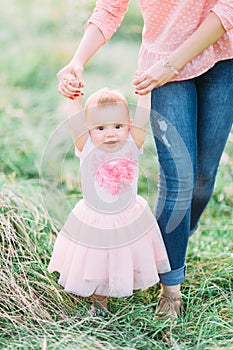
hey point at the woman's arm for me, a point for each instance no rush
(207, 33)
(141, 119)
(91, 41)
(106, 18)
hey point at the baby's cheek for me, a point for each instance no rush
(124, 133)
(96, 138)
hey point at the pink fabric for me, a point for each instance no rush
(116, 175)
(167, 24)
(116, 272)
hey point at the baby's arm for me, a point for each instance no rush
(76, 120)
(140, 122)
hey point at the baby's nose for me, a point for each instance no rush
(110, 133)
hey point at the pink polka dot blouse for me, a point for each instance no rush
(167, 24)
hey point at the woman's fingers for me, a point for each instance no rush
(146, 90)
(70, 81)
(145, 82)
(139, 77)
(154, 77)
(65, 92)
(143, 87)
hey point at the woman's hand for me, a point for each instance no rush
(70, 87)
(155, 76)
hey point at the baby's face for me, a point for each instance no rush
(108, 126)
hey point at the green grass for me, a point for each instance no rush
(36, 311)
(38, 179)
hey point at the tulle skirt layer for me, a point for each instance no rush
(109, 255)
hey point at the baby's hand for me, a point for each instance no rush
(70, 79)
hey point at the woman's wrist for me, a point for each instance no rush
(76, 63)
(166, 63)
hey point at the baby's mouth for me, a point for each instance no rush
(110, 142)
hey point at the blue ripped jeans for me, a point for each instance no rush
(190, 121)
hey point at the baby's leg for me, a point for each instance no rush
(99, 305)
(100, 300)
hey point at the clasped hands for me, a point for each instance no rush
(71, 80)
(154, 77)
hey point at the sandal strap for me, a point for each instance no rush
(170, 305)
(170, 298)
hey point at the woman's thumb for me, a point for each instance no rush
(79, 76)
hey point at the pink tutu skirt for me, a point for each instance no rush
(109, 254)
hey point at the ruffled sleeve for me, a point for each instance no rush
(224, 10)
(108, 15)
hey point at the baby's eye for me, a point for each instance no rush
(100, 127)
(118, 126)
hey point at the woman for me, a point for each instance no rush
(186, 62)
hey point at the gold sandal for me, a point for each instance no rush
(170, 305)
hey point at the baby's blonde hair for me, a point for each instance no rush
(103, 97)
